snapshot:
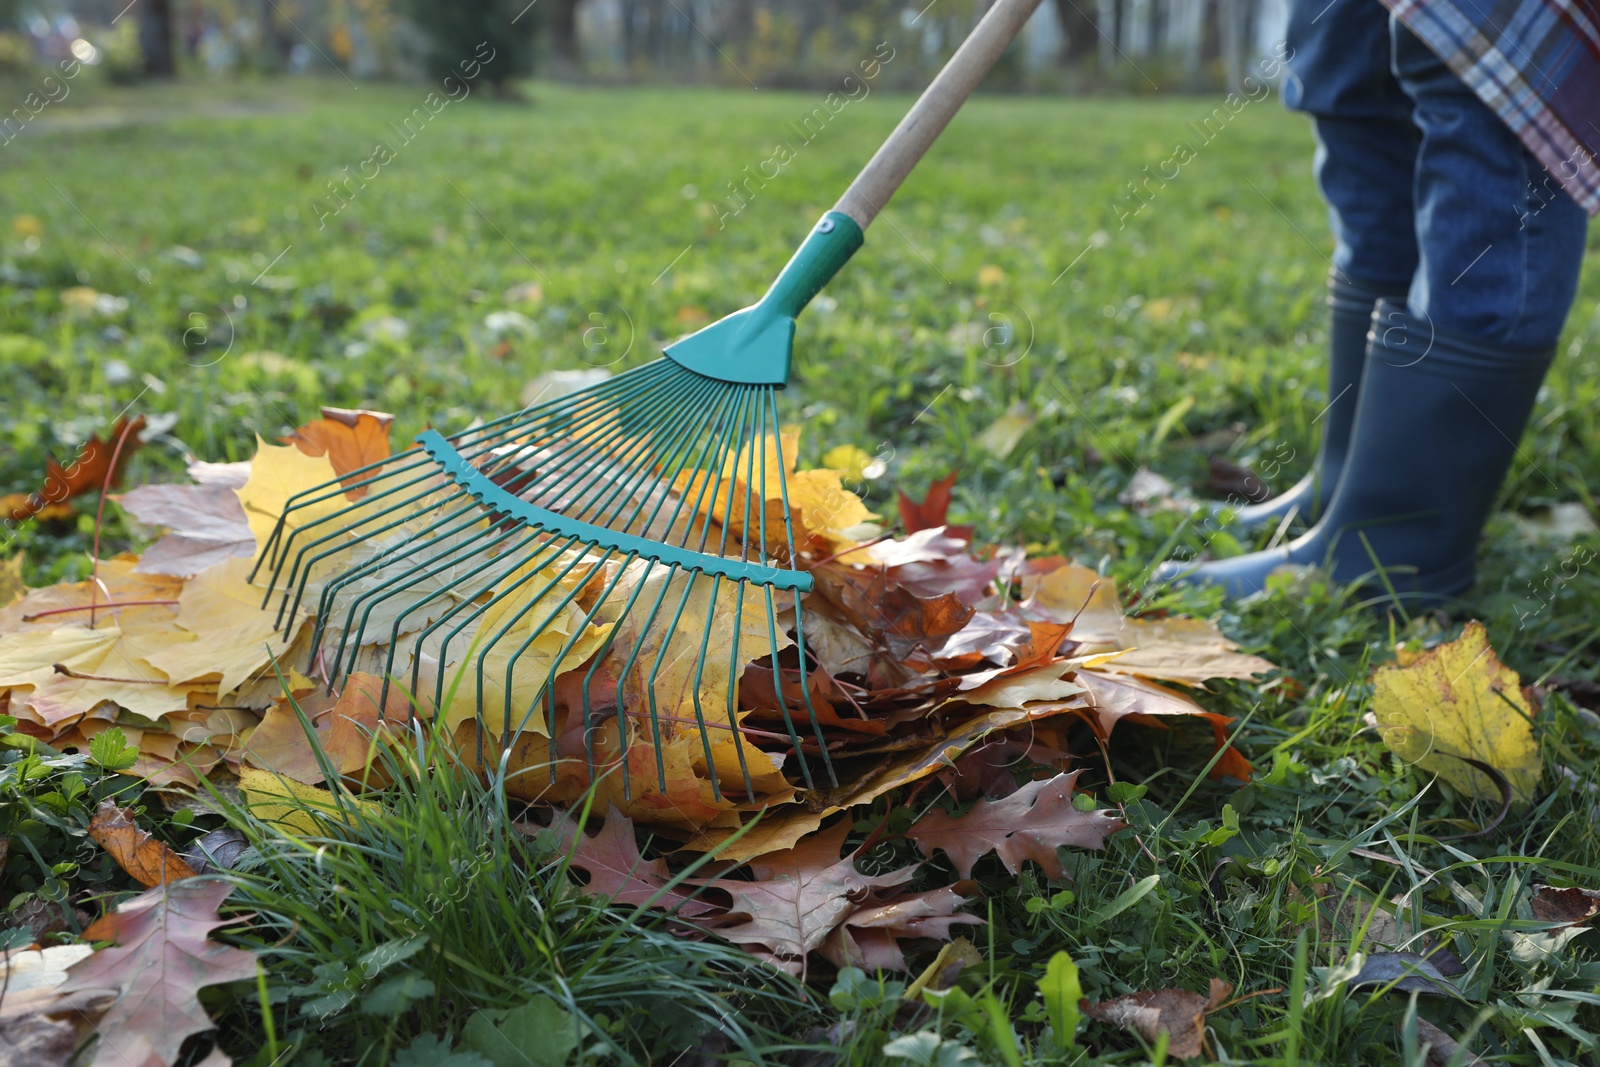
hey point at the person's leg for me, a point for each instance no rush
(1339, 74)
(1452, 375)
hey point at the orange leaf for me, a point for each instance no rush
(88, 472)
(350, 439)
(149, 861)
(931, 510)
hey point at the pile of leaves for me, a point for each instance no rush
(926, 655)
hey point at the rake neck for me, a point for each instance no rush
(755, 346)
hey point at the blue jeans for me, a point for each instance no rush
(1428, 192)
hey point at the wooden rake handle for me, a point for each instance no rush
(933, 111)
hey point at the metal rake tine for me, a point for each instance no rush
(400, 583)
(732, 438)
(777, 689)
(572, 639)
(534, 601)
(699, 712)
(330, 591)
(805, 691)
(339, 535)
(710, 476)
(734, 671)
(599, 657)
(621, 383)
(329, 490)
(613, 436)
(618, 438)
(650, 686)
(681, 456)
(507, 566)
(504, 629)
(622, 676)
(673, 437)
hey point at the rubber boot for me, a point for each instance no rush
(1350, 304)
(1436, 427)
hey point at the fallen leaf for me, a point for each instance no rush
(349, 439)
(1458, 700)
(88, 472)
(32, 977)
(617, 871)
(930, 511)
(1030, 824)
(870, 936)
(1444, 1050)
(161, 956)
(1571, 906)
(1002, 436)
(12, 587)
(1187, 651)
(1178, 1013)
(234, 637)
(298, 808)
(278, 473)
(205, 525)
(799, 896)
(1403, 972)
(150, 862)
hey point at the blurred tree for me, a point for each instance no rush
(562, 23)
(156, 33)
(457, 30)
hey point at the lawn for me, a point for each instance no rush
(1034, 310)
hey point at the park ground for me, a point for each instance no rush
(1034, 310)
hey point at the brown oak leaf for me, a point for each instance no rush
(1030, 824)
(617, 871)
(1572, 906)
(160, 958)
(1177, 1013)
(800, 895)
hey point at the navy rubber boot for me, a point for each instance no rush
(1436, 427)
(1350, 304)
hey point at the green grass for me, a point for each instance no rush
(1193, 327)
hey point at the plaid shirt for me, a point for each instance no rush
(1537, 64)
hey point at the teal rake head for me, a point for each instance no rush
(599, 569)
(618, 537)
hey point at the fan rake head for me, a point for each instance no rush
(608, 561)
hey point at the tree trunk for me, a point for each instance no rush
(155, 38)
(563, 26)
(1078, 27)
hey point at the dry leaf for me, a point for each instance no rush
(87, 472)
(205, 525)
(149, 861)
(870, 936)
(1571, 906)
(276, 474)
(1177, 1013)
(12, 587)
(1459, 700)
(297, 808)
(349, 439)
(160, 958)
(930, 511)
(617, 871)
(233, 636)
(799, 896)
(1030, 824)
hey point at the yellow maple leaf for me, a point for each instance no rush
(226, 634)
(12, 587)
(822, 510)
(1459, 700)
(277, 473)
(536, 631)
(296, 807)
(70, 669)
(685, 651)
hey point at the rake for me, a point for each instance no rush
(615, 555)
